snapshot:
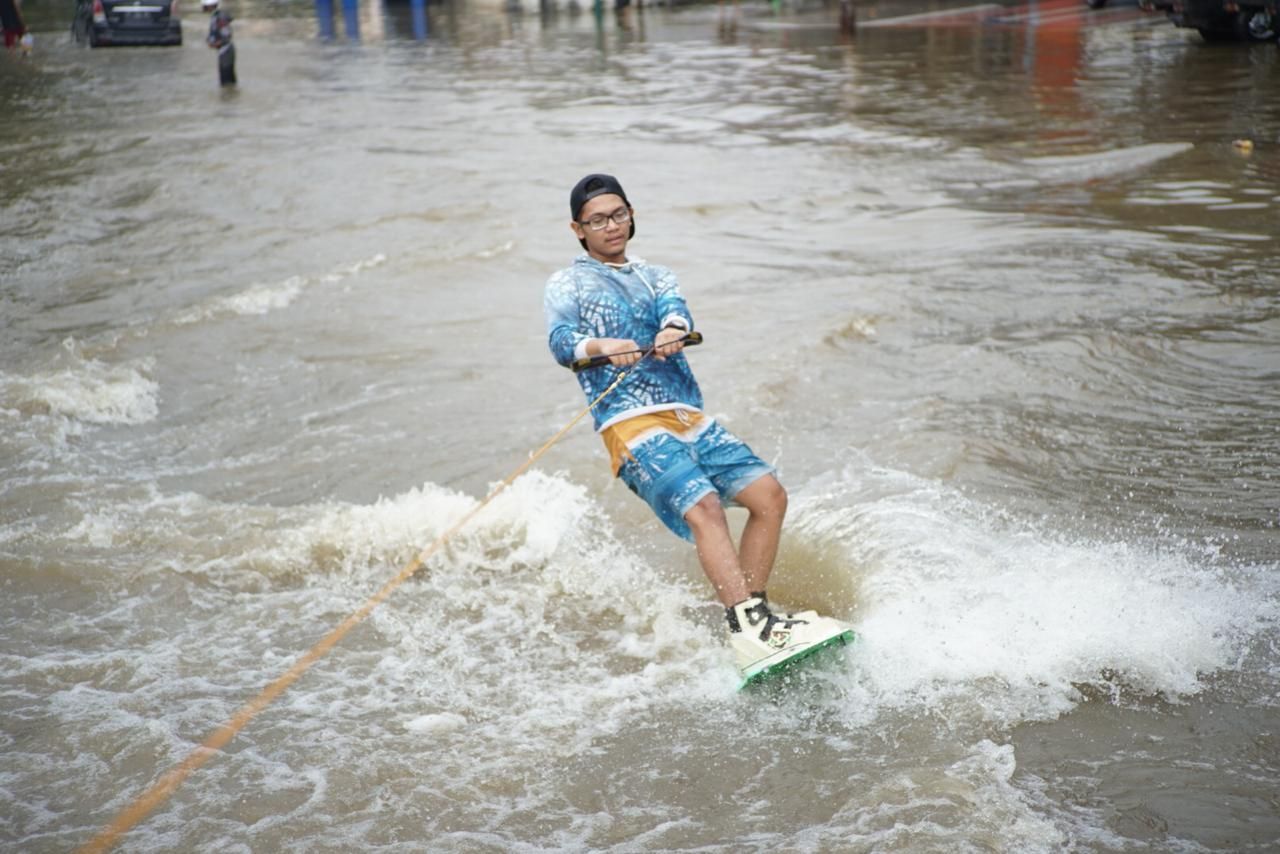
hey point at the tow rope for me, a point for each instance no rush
(162, 789)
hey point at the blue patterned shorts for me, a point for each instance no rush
(672, 475)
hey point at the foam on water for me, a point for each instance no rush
(44, 411)
(532, 633)
(260, 299)
(83, 389)
(540, 540)
(1075, 168)
(536, 638)
(962, 610)
(257, 299)
(958, 608)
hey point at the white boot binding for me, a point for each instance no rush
(763, 642)
(753, 612)
(786, 615)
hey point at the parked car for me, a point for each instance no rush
(1228, 20)
(127, 22)
(1144, 5)
(1218, 20)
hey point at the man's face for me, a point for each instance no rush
(610, 242)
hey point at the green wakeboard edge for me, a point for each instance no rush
(778, 667)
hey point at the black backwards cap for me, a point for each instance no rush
(590, 187)
(594, 185)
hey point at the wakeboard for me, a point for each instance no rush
(768, 670)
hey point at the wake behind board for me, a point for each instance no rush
(770, 669)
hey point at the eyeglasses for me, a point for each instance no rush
(621, 216)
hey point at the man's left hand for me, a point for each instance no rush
(668, 342)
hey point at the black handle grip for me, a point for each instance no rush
(579, 365)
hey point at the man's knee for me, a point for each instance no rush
(765, 497)
(776, 495)
(708, 512)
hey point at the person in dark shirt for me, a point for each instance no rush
(220, 40)
(11, 18)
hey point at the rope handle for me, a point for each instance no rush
(587, 362)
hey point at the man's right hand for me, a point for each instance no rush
(621, 351)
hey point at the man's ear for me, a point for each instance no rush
(577, 230)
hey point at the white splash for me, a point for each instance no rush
(85, 390)
(259, 299)
(435, 724)
(950, 599)
(1094, 166)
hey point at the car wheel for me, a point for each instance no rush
(1215, 35)
(1096, 4)
(1255, 25)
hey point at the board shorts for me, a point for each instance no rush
(673, 473)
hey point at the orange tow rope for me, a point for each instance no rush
(168, 784)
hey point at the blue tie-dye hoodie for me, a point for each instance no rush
(591, 299)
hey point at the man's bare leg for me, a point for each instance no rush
(766, 501)
(716, 553)
(736, 573)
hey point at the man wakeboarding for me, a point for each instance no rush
(679, 460)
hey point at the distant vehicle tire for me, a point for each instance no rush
(1255, 25)
(1096, 4)
(1219, 31)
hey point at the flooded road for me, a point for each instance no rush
(995, 289)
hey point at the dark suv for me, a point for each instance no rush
(127, 22)
(1218, 20)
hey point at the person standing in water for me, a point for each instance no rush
(15, 28)
(219, 39)
(661, 443)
